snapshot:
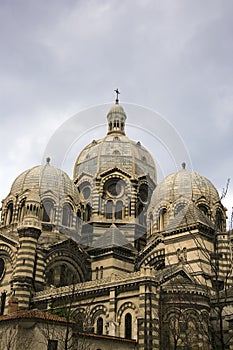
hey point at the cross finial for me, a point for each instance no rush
(117, 95)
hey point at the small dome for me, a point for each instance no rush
(186, 185)
(42, 179)
(117, 109)
(183, 197)
(115, 149)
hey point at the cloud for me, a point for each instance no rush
(59, 57)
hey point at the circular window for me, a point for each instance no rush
(115, 187)
(2, 268)
(86, 192)
(143, 193)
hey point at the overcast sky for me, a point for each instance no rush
(60, 57)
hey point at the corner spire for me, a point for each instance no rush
(117, 96)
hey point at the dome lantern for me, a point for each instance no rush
(116, 118)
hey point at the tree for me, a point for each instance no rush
(77, 322)
(14, 335)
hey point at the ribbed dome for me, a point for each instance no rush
(43, 178)
(187, 185)
(115, 149)
(117, 109)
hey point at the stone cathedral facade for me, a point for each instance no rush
(113, 258)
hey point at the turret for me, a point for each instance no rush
(29, 232)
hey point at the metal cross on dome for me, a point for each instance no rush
(117, 93)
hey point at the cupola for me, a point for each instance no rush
(116, 119)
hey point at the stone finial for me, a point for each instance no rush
(48, 160)
(183, 165)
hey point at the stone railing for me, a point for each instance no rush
(112, 280)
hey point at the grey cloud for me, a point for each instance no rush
(58, 57)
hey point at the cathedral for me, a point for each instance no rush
(111, 259)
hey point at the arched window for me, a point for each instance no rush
(162, 219)
(88, 212)
(48, 209)
(9, 214)
(64, 274)
(21, 210)
(128, 326)
(119, 210)
(151, 224)
(219, 220)
(108, 210)
(50, 276)
(67, 215)
(203, 208)
(80, 319)
(78, 219)
(100, 326)
(2, 268)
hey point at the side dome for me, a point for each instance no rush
(115, 150)
(185, 192)
(43, 179)
(185, 184)
(49, 187)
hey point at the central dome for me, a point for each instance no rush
(115, 150)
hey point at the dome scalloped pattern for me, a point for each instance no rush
(187, 185)
(115, 150)
(43, 178)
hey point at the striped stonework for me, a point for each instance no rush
(148, 322)
(25, 266)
